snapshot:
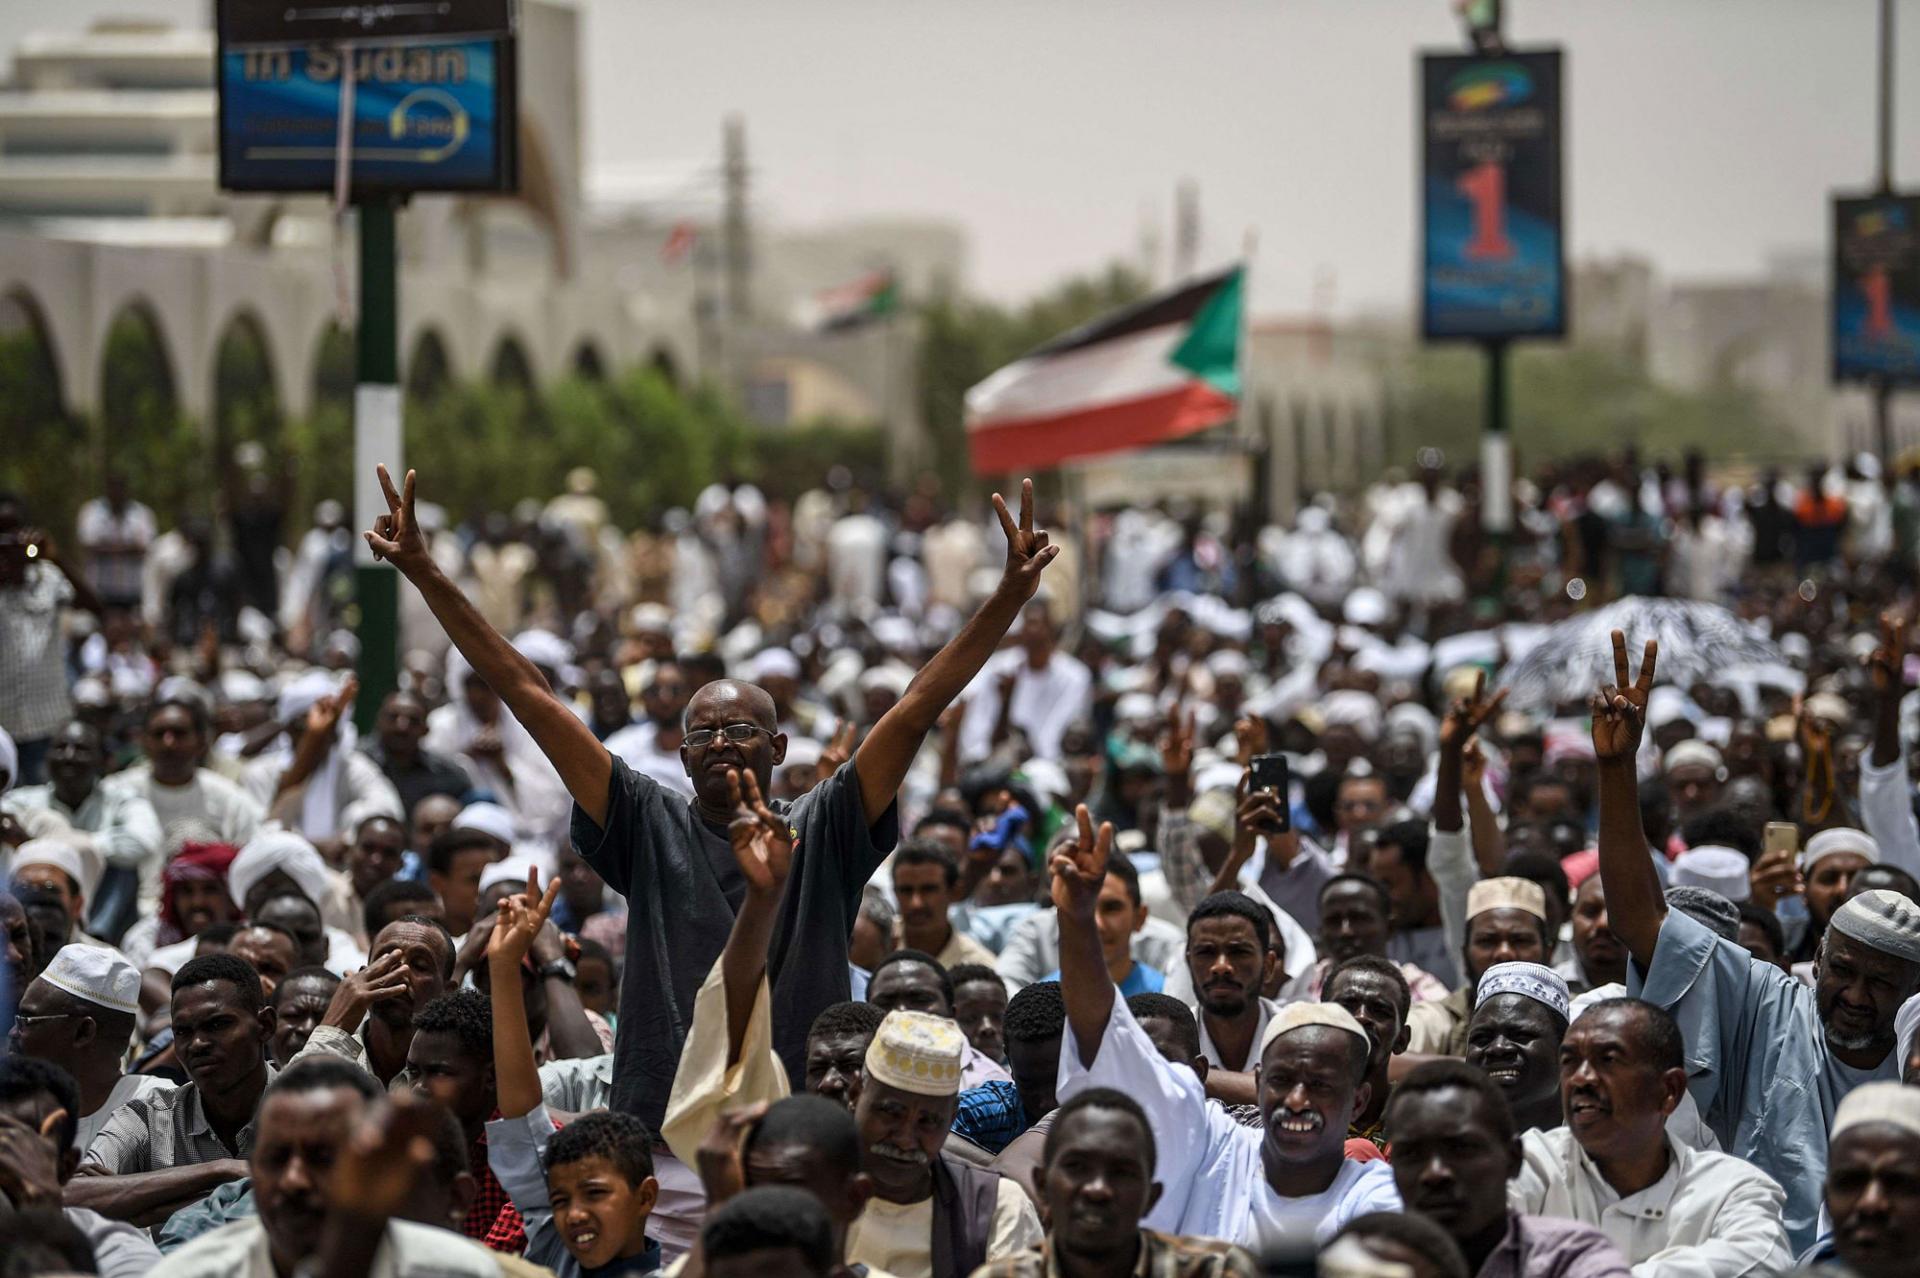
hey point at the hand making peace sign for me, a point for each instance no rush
(1028, 553)
(1620, 709)
(395, 536)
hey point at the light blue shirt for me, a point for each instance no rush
(1757, 1059)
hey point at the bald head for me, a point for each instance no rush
(730, 725)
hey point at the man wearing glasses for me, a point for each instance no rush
(671, 857)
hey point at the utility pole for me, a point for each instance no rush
(738, 251)
(1186, 228)
(376, 439)
(1883, 185)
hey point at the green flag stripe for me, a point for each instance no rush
(1211, 348)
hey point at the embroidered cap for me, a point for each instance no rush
(1717, 869)
(1884, 919)
(917, 1053)
(1296, 1016)
(1884, 1102)
(1837, 840)
(97, 975)
(1529, 980)
(1507, 894)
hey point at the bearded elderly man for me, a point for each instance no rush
(1769, 1059)
(1286, 1184)
(931, 1215)
(1672, 1211)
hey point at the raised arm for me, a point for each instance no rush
(1886, 796)
(884, 757)
(317, 736)
(582, 762)
(1079, 867)
(1489, 842)
(515, 925)
(1462, 720)
(763, 846)
(1635, 906)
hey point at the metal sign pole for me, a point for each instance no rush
(376, 439)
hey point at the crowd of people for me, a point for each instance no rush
(854, 886)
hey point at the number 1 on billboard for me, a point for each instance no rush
(1485, 187)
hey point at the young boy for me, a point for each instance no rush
(586, 1190)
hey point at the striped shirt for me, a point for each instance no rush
(165, 1128)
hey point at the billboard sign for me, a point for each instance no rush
(429, 111)
(1493, 246)
(1876, 288)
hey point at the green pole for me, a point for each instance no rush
(376, 438)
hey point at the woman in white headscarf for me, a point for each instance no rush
(502, 756)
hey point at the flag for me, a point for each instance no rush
(680, 242)
(850, 305)
(1160, 369)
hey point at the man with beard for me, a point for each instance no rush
(164, 1150)
(1616, 1167)
(1283, 1185)
(1872, 1167)
(1229, 961)
(1453, 1152)
(1506, 922)
(370, 1018)
(931, 1213)
(1770, 1058)
(1375, 993)
(1519, 1017)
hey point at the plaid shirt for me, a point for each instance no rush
(1161, 1256)
(990, 1115)
(165, 1128)
(493, 1219)
(33, 674)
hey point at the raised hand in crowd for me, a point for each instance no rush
(1463, 719)
(1636, 906)
(1176, 757)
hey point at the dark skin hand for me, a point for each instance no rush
(1463, 719)
(1885, 669)
(1636, 907)
(880, 763)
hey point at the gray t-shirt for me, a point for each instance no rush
(683, 888)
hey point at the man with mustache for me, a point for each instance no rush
(931, 1213)
(1770, 1059)
(670, 858)
(1453, 1151)
(1616, 1167)
(1229, 961)
(1871, 1169)
(370, 1017)
(1519, 1017)
(170, 1147)
(1284, 1185)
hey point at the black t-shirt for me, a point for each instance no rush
(683, 888)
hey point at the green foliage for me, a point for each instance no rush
(45, 455)
(142, 429)
(1566, 401)
(965, 340)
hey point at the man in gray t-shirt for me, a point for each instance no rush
(670, 856)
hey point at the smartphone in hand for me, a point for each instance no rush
(1270, 773)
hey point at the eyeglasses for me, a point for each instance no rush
(735, 732)
(22, 1023)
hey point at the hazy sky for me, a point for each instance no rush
(1704, 134)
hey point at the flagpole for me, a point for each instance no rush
(1247, 425)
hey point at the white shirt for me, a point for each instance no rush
(1207, 1049)
(1045, 703)
(208, 808)
(1711, 1215)
(639, 748)
(898, 1237)
(1226, 1193)
(239, 1250)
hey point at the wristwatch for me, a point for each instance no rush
(560, 967)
